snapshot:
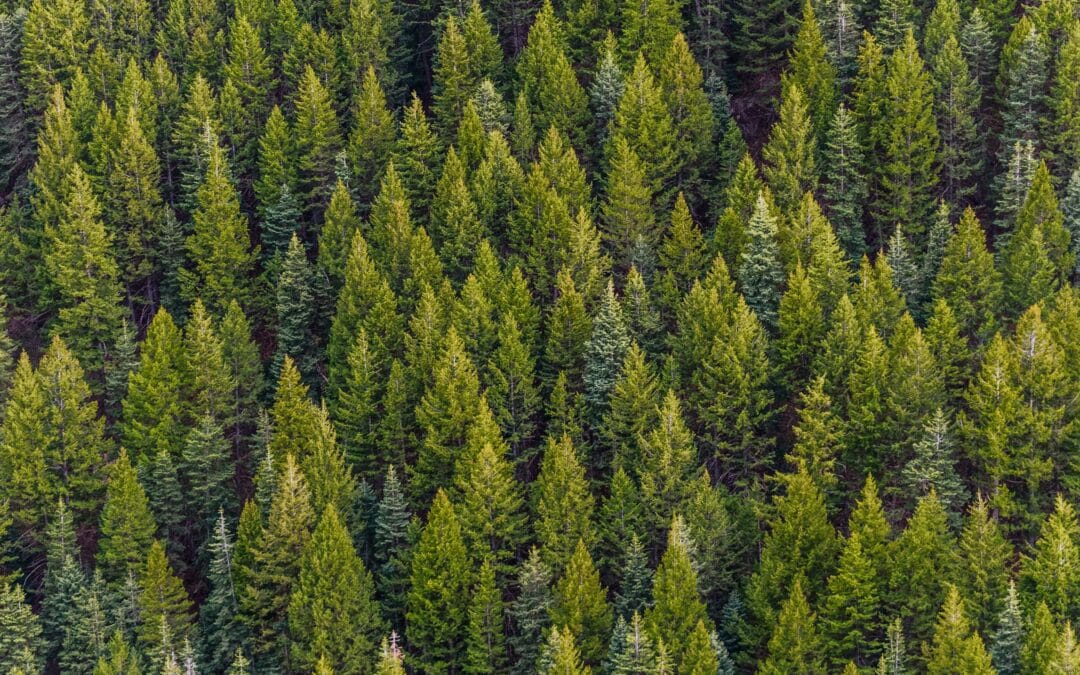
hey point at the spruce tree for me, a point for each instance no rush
(761, 273)
(795, 645)
(677, 606)
(436, 617)
(164, 608)
(955, 647)
(845, 184)
(628, 223)
(220, 632)
(530, 611)
(580, 606)
(486, 642)
(564, 505)
(219, 245)
(789, 154)
(851, 613)
(127, 526)
(20, 648)
(79, 259)
(332, 610)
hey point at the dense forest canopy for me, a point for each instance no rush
(488, 336)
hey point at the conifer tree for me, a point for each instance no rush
(455, 226)
(441, 577)
(219, 245)
(332, 610)
(564, 504)
(925, 551)
(164, 607)
(845, 185)
(511, 387)
(968, 280)
(1051, 569)
(79, 259)
(799, 542)
(629, 224)
(492, 520)
(761, 273)
(1008, 638)
(789, 153)
(580, 606)
(561, 654)
(907, 169)
(21, 631)
(295, 312)
(127, 526)
(795, 645)
(486, 643)
(220, 632)
(955, 647)
(761, 34)
(850, 616)
(416, 156)
(22, 462)
(956, 101)
(644, 120)
(530, 611)
(982, 576)
(677, 607)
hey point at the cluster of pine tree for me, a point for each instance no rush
(602, 336)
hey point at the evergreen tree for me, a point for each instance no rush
(956, 102)
(932, 466)
(563, 503)
(127, 526)
(332, 610)
(219, 245)
(761, 273)
(486, 648)
(789, 153)
(20, 645)
(677, 607)
(955, 647)
(164, 607)
(580, 606)
(530, 611)
(907, 169)
(1008, 639)
(436, 616)
(845, 185)
(79, 259)
(220, 632)
(795, 644)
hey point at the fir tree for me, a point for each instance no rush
(955, 647)
(127, 526)
(332, 611)
(530, 611)
(580, 606)
(795, 644)
(564, 504)
(760, 270)
(677, 607)
(164, 607)
(789, 153)
(845, 185)
(437, 619)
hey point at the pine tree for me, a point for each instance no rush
(436, 616)
(932, 466)
(219, 245)
(127, 526)
(761, 34)
(982, 576)
(795, 646)
(789, 153)
(332, 611)
(1008, 638)
(631, 649)
(443, 414)
(21, 631)
(1051, 570)
(164, 607)
(924, 560)
(416, 156)
(734, 383)
(845, 185)
(800, 544)
(530, 611)
(580, 606)
(564, 504)
(968, 280)
(22, 451)
(318, 140)
(850, 616)
(220, 632)
(956, 648)
(492, 518)
(677, 606)
(79, 259)
(761, 273)
(956, 101)
(295, 312)
(486, 648)
(907, 170)
(629, 224)
(561, 654)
